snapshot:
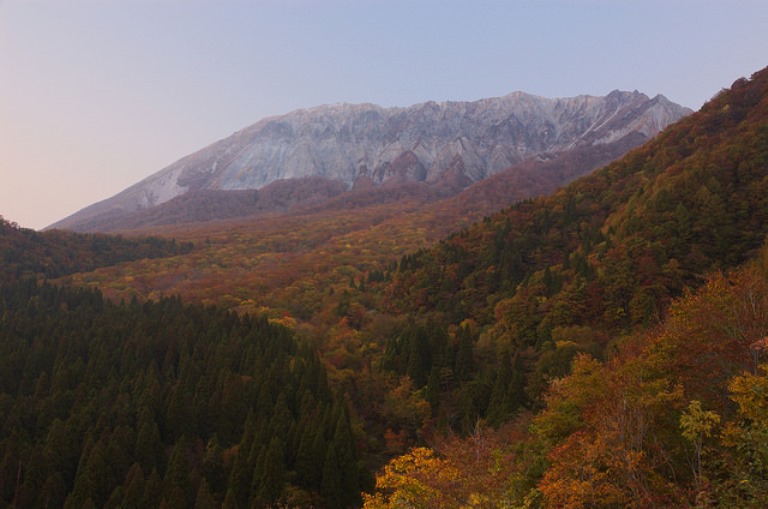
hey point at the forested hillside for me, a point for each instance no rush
(664, 403)
(163, 404)
(27, 253)
(676, 416)
(635, 232)
(604, 255)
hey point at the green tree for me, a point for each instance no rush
(269, 475)
(204, 499)
(176, 478)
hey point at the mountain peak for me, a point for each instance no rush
(346, 142)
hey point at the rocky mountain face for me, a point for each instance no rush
(364, 146)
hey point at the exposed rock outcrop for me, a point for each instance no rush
(365, 145)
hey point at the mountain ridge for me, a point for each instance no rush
(688, 202)
(359, 143)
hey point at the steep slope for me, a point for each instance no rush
(284, 261)
(318, 195)
(552, 277)
(646, 403)
(610, 250)
(207, 205)
(363, 145)
(676, 417)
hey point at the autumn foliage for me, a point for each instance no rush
(601, 347)
(676, 417)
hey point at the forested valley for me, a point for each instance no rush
(604, 346)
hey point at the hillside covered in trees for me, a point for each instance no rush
(162, 404)
(675, 416)
(28, 253)
(600, 347)
(599, 375)
(605, 255)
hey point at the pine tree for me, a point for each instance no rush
(177, 473)
(148, 444)
(152, 489)
(54, 491)
(9, 468)
(346, 456)
(332, 487)
(92, 481)
(240, 478)
(465, 363)
(62, 450)
(204, 499)
(309, 457)
(213, 467)
(270, 475)
(134, 487)
(418, 358)
(433, 389)
(282, 421)
(35, 474)
(502, 403)
(230, 500)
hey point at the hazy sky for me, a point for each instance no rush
(95, 95)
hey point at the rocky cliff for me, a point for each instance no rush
(365, 145)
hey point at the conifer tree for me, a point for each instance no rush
(148, 443)
(270, 474)
(133, 487)
(204, 499)
(177, 474)
(464, 366)
(92, 481)
(54, 491)
(230, 500)
(309, 460)
(418, 359)
(346, 457)
(213, 468)
(240, 478)
(152, 489)
(332, 481)
(433, 389)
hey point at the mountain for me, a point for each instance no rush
(606, 256)
(627, 311)
(603, 346)
(451, 144)
(620, 242)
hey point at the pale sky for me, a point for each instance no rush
(96, 95)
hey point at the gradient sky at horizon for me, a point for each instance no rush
(96, 95)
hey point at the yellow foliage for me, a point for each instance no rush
(750, 392)
(416, 479)
(696, 423)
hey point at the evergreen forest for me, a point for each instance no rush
(162, 404)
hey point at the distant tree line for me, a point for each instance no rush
(56, 253)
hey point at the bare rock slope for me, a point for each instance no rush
(366, 145)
